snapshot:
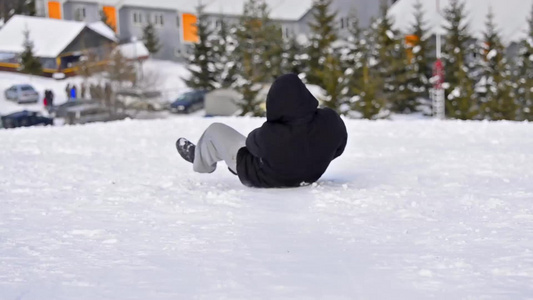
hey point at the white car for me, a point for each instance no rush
(22, 93)
(141, 100)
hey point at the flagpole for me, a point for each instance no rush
(439, 44)
(439, 106)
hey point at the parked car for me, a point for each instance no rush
(25, 118)
(22, 93)
(88, 113)
(60, 111)
(189, 102)
(140, 100)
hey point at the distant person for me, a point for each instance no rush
(73, 92)
(45, 100)
(92, 91)
(67, 90)
(108, 94)
(51, 98)
(294, 146)
(83, 90)
(100, 94)
(48, 100)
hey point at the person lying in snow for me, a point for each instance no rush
(293, 147)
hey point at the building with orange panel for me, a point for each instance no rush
(174, 20)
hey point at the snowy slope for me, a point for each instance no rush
(412, 210)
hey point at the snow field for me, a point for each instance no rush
(411, 210)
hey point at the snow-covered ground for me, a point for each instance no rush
(412, 210)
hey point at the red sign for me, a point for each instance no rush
(438, 74)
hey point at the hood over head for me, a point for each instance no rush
(289, 99)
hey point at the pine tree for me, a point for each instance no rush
(323, 34)
(150, 39)
(496, 91)
(224, 46)
(29, 8)
(324, 59)
(201, 63)
(461, 99)
(361, 83)
(292, 56)
(352, 58)
(393, 64)
(369, 102)
(272, 46)
(331, 74)
(254, 68)
(29, 64)
(420, 50)
(523, 75)
(9, 8)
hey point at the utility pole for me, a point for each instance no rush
(439, 109)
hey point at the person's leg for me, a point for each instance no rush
(218, 143)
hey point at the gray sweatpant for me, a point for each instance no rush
(218, 143)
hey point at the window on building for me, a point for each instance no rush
(286, 31)
(137, 18)
(177, 52)
(158, 19)
(345, 23)
(80, 14)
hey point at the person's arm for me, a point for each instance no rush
(344, 139)
(253, 143)
(341, 148)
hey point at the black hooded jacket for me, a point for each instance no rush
(297, 142)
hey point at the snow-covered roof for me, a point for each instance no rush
(510, 16)
(280, 9)
(49, 36)
(134, 50)
(104, 30)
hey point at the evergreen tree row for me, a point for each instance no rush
(370, 72)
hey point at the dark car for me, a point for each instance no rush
(25, 118)
(188, 102)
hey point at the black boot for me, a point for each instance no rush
(186, 149)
